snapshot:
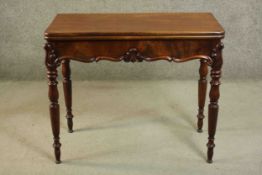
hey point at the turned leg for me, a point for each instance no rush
(67, 93)
(214, 96)
(202, 87)
(51, 65)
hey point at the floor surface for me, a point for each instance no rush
(130, 127)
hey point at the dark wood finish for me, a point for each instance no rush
(51, 65)
(202, 87)
(67, 85)
(214, 96)
(148, 50)
(173, 37)
(134, 26)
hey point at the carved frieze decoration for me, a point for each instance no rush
(132, 55)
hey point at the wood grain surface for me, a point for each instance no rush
(134, 26)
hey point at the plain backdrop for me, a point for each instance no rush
(129, 127)
(22, 24)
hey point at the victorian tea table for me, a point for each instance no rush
(173, 37)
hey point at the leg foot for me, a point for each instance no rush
(210, 150)
(70, 123)
(57, 151)
(200, 118)
(209, 161)
(58, 161)
(199, 130)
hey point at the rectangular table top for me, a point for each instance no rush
(134, 26)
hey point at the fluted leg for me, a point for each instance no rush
(202, 87)
(67, 93)
(51, 65)
(214, 96)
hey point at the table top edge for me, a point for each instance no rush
(219, 32)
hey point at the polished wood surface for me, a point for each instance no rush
(172, 37)
(134, 26)
(67, 85)
(149, 50)
(202, 87)
(53, 97)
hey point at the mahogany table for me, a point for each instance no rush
(173, 37)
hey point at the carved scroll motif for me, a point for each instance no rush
(51, 60)
(215, 50)
(217, 63)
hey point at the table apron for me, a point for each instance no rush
(134, 50)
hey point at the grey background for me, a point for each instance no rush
(22, 23)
